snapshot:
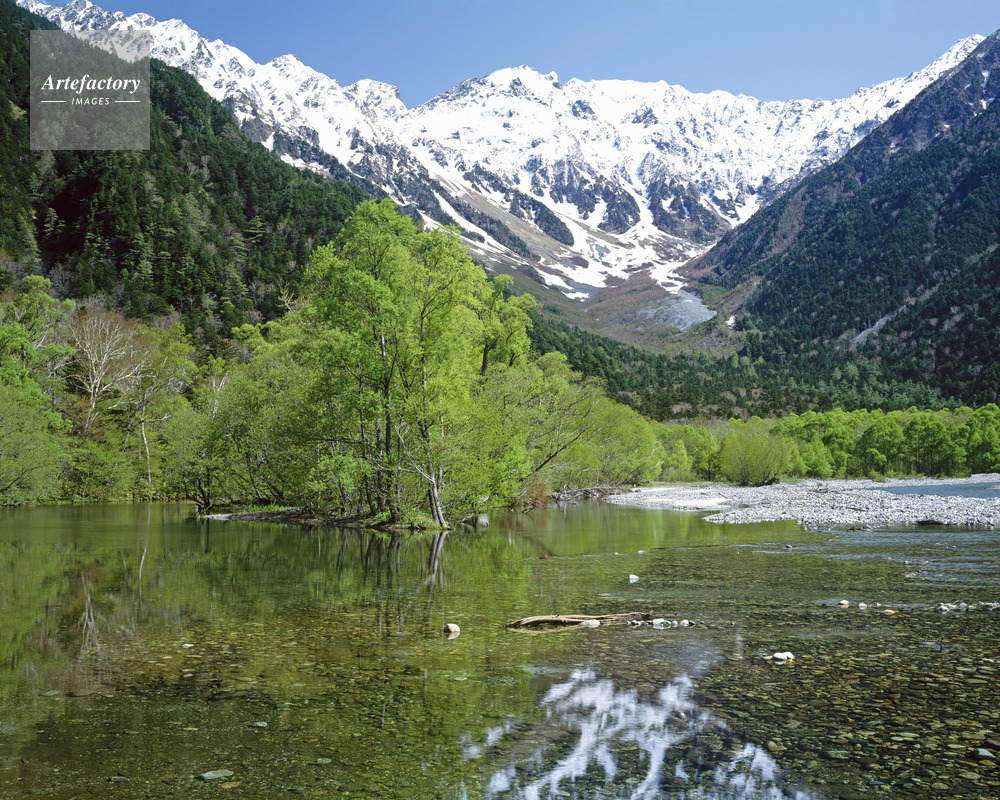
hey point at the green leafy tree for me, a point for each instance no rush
(199, 463)
(880, 448)
(32, 444)
(839, 436)
(751, 456)
(980, 438)
(816, 459)
(32, 326)
(677, 464)
(402, 309)
(930, 448)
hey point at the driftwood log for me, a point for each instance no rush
(590, 492)
(576, 619)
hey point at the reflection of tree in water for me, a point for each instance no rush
(596, 741)
(103, 637)
(385, 571)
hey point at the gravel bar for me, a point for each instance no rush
(858, 503)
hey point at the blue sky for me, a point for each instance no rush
(769, 49)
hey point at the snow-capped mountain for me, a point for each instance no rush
(583, 181)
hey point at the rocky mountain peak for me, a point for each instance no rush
(580, 183)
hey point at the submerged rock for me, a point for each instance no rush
(215, 774)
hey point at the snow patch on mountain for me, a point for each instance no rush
(639, 177)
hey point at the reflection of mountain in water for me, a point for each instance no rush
(598, 742)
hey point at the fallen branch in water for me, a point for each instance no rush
(588, 492)
(576, 619)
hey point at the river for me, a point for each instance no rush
(146, 654)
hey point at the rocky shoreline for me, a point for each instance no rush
(847, 503)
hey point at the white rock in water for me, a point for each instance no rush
(844, 603)
(591, 623)
(685, 623)
(633, 578)
(215, 774)
(452, 628)
(783, 657)
(659, 622)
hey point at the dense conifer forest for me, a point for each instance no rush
(204, 225)
(889, 255)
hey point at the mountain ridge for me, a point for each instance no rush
(578, 184)
(892, 253)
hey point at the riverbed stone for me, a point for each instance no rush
(215, 774)
(855, 504)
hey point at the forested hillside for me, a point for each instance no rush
(700, 385)
(889, 252)
(204, 223)
(18, 164)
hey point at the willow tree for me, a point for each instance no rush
(407, 328)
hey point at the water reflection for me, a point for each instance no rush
(140, 640)
(986, 491)
(599, 741)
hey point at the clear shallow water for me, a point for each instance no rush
(987, 491)
(141, 649)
